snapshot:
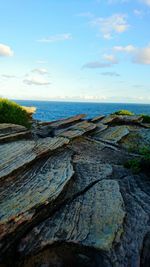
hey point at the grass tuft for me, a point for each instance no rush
(11, 112)
(124, 112)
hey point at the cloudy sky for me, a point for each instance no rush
(75, 50)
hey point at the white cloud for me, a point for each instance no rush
(5, 51)
(139, 55)
(35, 80)
(142, 56)
(127, 49)
(147, 2)
(56, 38)
(138, 13)
(8, 76)
(116, 23)
(41, 71)
(96, 65)
(109, 73)
(110, 58)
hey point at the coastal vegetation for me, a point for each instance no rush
(146, 118)
(124, 112)
(141, 163)
(11, 112)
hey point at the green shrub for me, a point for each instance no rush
(124, 112)
(146, 118)
(11, 112)
(134, 165)
(142, 163)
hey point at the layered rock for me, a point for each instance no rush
(66, 198)
(18, 154)
(94, 219)
(22, 195)
(9, 132)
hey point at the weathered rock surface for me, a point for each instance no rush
(94, 219)
(17, 154)
(12, 131)
(124, 119)
(67, 200)
(21, 196)
(137, 138)
(68, 121)
(97, 118)
(113, 134)
(76, 130)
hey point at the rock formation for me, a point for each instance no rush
(66, 198)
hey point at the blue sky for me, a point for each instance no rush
(75, 50)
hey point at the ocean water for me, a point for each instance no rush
(51, 110)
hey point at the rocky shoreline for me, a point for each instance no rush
(66, 197)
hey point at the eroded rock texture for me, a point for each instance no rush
(66, 198)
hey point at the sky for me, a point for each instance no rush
(75, 50)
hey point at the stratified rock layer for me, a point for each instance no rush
(66, 198)
(94, 219)
(15, 155)
(10, 132)
(36, 186)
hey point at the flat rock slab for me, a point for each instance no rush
(64, 122)
(98, 118)
(77, 129)
(15, 155)
(94, 220)
(70, 133)
(108, 119)
(113, 134)
(10, 131)
(36, 186)
(128, 119)
(99, 128)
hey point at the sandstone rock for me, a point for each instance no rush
(124, 119)
(29, 110)
(113, 134)
(99, 128)
(93, 219)
(70, 133)
(21, 196)
(17, 154)
(76, 130)
(97, 118)
(65, 122)
(10, 131)
(108, 119)
(136, 139)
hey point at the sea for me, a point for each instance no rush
(53, 110)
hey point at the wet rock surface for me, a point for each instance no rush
(66, 198)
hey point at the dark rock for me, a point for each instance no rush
(10, 132)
